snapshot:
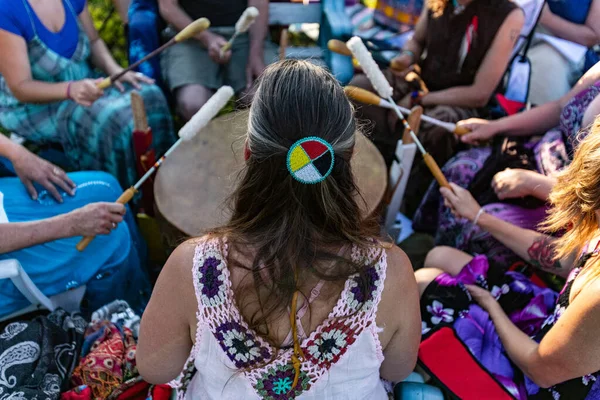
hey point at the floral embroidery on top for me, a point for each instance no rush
(356, 297)
(276, 383)
(329, 345)
(240, 346)
(272, 376)
(211, 278)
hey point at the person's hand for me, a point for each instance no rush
(402, 65)
(255, 67)
(31, 168)
(513, 183)
(85, 91)
(460, 201)
(135, 79)
(481, 130)
(95, 219)
(482, 297)
(214, 43)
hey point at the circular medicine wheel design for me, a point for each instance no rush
(310, 160)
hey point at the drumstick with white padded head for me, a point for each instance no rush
(189, 130)
(241, 26)
(382, 86)
(367, 97)
(196, 27)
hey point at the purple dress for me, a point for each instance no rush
(533, 309)
(552, 153)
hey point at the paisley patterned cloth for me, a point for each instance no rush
(552, 154)
(38, 356)
(342, 356)
(533, 308)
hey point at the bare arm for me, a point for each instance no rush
(413, 48)
(587, 34)
(570, 349)
(101, 56)
(178, 18)
(490, 72)
(399, 309)
(15, 236)
(165, 333)
(17, 72)
(258, 30)
(530, 245)
(417, 43)
(537, 120)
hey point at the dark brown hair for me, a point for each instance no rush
(290, 228)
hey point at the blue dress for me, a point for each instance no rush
(111, 266)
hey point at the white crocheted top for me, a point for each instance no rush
(230, 361)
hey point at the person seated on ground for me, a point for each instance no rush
(48, 88)
(572, 20)
(43, 214)
(571, 113)
(295, 237)
(518, 327)
(461, 75)
(194, 69)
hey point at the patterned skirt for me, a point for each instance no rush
(435, 218)
(461, 349)
(97, 137)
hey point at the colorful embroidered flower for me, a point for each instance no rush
(424, 328)
(240, 345)
(330, 344)
(212, 279)
(497, 292)
(276, 383)
(439, 313)
(357, 297)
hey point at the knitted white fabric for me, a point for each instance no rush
(343, 355)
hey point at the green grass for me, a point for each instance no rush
(111, 28)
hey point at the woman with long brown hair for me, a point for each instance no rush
(294, 296)
(523, 338)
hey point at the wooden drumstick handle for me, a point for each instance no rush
(104, 83)
(337, 46)
(189, 31)
(196, 27)
(461, 130)
(436, 171)
(362, 95)
(125, 197)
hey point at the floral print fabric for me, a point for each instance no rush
(534, 309)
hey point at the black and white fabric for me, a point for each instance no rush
(37, 357)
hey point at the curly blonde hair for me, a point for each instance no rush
(437, 6)
(576, 198)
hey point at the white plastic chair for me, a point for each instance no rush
(69, 300)
(399, 174)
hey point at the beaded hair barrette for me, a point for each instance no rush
(310, 160)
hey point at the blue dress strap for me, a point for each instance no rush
(29, 11)
(71, 8)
